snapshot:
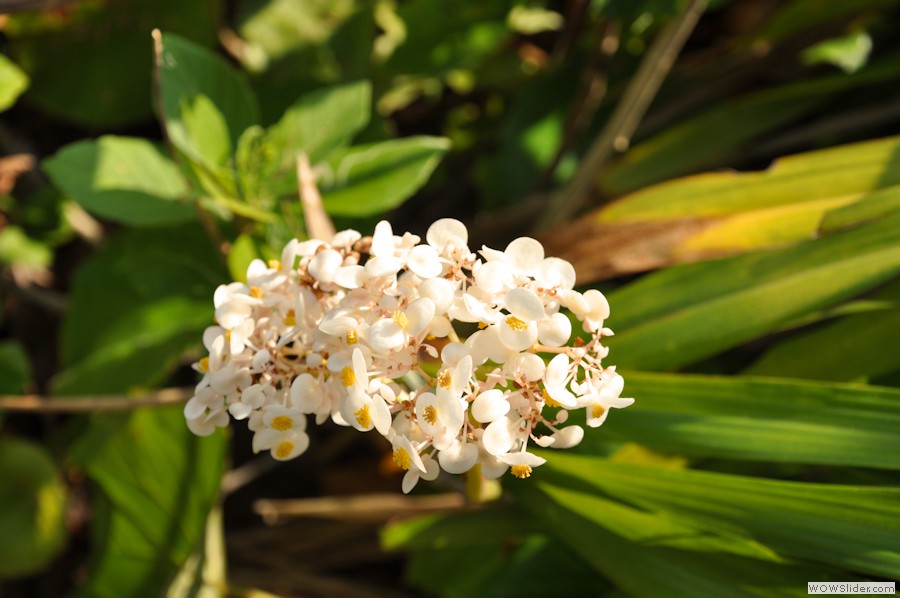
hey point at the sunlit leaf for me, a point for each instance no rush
(849, 52)
(716, 214)
(374, 178)
(188, 72)
(848, 527)
(761, 419)
(858, 346)
(678, 316)
(647, 553)
(689, 147)
(12, 82)
(317, 124)
(126, 179)
(32, 508)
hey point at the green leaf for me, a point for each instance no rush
(273, 28)
(774, 420)
(847, 171)
(854, 528)
(871, 206)
(501, 550)
(125, 179)
(159, 482)
(321, 122)
(193, 81)
(651, 554)
(12, 82)
(317, 124)
(372, 179)
(136, 307)
(858, 346)
(16, 247)
(688, 147)
(849, 52)
(15, 369)
(681, 315)
(32, 509)
(54, 48)
(462, 528)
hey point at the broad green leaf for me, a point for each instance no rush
(857, 346)
(55, 49)
(15, 370)
(317, 124)
(188, 72)
(650, 554)
(321, 122)
(12, 82)
(32, 509)
(159, 482)
(137, 305)
(761, 419)
(681, 315)
(126, 179)
(849, 52)
(689, 147)
(372, 179)
(854, 528)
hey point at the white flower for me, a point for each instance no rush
(521, 463)
(350, 330)
(403, 324)
(600, 395)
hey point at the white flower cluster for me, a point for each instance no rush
(349, 330)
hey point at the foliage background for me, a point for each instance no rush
(756, 304)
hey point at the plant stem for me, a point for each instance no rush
(87, 403)
(616, 135)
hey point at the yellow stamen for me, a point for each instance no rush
(256, 292)
(363, 417)
(275, 264)
(402, 458)
(482, 325)
(348, 376)
(352, 337)
(445, 379)
(203, 364)
(516, 324)
(290, 318)
(282, 423)
(597, 411)
(284, 449)
(401, 318)
(228, 336)
(431, 414)
(551, 402)
(521, 471)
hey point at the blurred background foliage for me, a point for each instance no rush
(727, 172)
